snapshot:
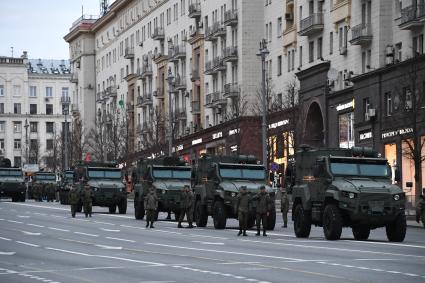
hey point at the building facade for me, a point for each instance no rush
(31, 118)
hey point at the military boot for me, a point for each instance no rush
(240, 232)
(244, 233)
(179, 225)
(152, 224)
(147, 224)
(258, 233)
(264, 233)
(285, 224)
(190, 226)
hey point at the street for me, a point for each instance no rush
(41, 242)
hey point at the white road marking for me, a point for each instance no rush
(39, 213)
(67, 251)
(28, 244)
(6, 239)
(86, 234)
(57, 229)
(208, 243)
(13, 221)
(119, 239)
(7, 253)
(385, 244)
(205, 236)
(157, 281)
(109, 230)
(108, 247)
(39, 206)
(35, 225)
(238, 262)
(31, 233)
(23, 216)
(106, 223)
(255, 268)
(1, 219)
(218, 273)
(375, 259)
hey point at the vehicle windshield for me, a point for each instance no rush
(242, 172)
(104, 173)
(361, 169)
(69, 175)
(171, 173)
(46, 177)
(11, 173)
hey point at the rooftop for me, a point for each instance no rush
(46, 66)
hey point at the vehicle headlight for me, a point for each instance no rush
(351, 195)
(233, 195)
(163, 192)
(95, 189)
(396, 197)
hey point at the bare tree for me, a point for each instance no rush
(96, 139)
(290, 103)
(77, 141)
(54, 158)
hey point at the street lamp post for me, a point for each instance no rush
(263, 52)
(26, 141)
(170, 79)
(66, 100)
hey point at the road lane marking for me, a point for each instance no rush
(13, 221)
(6, 239)
(38, 206)
(35, 225)
(106, 223)
(31, 233)
(7, 253)
(205, 236)
(57, 229)
(110, 230)
(238, 262)
(28, 244)
(119, 239)
(23, 216)
(66, 251)
(86, 234)
(208, 243)
(386, 244)
(105, 247)
(218, 273)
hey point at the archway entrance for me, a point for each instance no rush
(314, 130)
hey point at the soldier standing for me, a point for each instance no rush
(243, 210)
(186, 204)
(284, 206)
(151, 205)
(420, 209)
(87, 196)
(263, 209)
(74, 199)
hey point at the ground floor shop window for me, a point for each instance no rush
(346, 130)
(408, 173)
(391, 156)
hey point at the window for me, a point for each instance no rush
(408, 99)
(279, 65)
(33, 127)
(17, 127)
(49, 127)
(366, 107)
(319, 48)
(301, 56)
(279, 27)
(346, 130)
(1, 143)
(311, 51)
(17, 161)
(33, 109)
(1, 108)
(17, 144)
(182, 7)
(2, 125)
(33, 91)
(16, 90)
(388, 104)
(331, 42)
(17, 108)
(1, 90)
(49, 91)
(363, 61)
(49, 109)
(49, 144)
(65, 92)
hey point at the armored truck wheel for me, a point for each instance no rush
(122, 207)
(22, 198)
(201, 217)
(112, 209)
(302, 222)
(361, 233)
(332, 222)
(139, 210)
(396, 230)
(14, 199)
(219, 215)
(271, 219)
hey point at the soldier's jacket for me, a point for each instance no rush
(263, 202)
(74, 197)
(284, 202)
(186, 200)
(86, 195)
(243, 202)
(420, 206)
(151, 201)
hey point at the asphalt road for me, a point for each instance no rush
(40, 242)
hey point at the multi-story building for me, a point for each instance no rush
(31, 119)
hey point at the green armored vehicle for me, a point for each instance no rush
(106, 181)
(217, 181)
(336, 188)
(44, 186)
(168, 175)
(65, 185)
(12, 183)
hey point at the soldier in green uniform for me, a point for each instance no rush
(74, 199)
(87, 196)
(420, 209)
(151, 205)
(186, 206)
(263, 209)
(50, 192)
(243, 210)
(284, 206)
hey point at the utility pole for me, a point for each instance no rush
(170, 79)
(66, 100)
(263, 52)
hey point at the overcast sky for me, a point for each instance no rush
(38, 26)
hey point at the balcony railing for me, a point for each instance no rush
(219, 29)
(147, 99)
(231, 90)
(130, 106)
(65, 99)
(195, 10)
(231, 17)
(196, 107)
(361, 34)
(180, 82)
(158, 33)
(311, 25)
(177, 52)
(209, 68)
(74, 78)
(112, 90)
(146, 71)
(159, 93)
(209, 100)
(74, 109)
(219, 99)
(230, 54)
(412, 16)
(218, 64)
(209, 34)
(139, 101)
(129, 53)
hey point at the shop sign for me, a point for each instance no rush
(179, 147)
(398, 132)
(234, 131)
(217, 135)
(234, 148)
(278, 124)
(197, 141)
(344, 106)
(365, 135)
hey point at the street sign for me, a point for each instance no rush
(274, 166)
(30, 168)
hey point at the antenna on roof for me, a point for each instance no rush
(103, 7)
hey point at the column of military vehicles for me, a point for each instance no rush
(330, 188)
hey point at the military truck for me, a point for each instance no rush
(168, 175)
(12, 182)
(44, 186)
(106, 181)
(65, 184)
(336, 188)
(217, 181)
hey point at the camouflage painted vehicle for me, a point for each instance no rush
(12, 182)
(44, 186)
(106, 181)
(336, 188)
(65, 185)
(216, 183)
(168, 175)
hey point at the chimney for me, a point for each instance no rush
(24, 55)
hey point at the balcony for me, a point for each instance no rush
(139, 101)
(290, 36)
(112, 91)
(180, 83)
(74, 109)
(129, 53)
(311, 25)
(209, 100)
(182, 114)
(195, 10)
(130, 76)
(147, 100)
(139, 129)
(218, 64)
(209, 68)
(412, 17)
(218, 99)
(196, 107)
(231, 90)
(100, 97)
(177, 52)
(231, 18)
(130, 106)
(230, 54)
(159, 57)
(219, 30)
(361, 34)
(158, 33)
(65, 100)
(74, 78)
(146, 71)
(341, 11)
(159, 93)
(209, 34)
(194, 76)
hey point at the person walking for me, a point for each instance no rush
(243, 204)
(186, 206)
(87, 197)
(74, 199)
(420, 210)
(151, 205)
(284, 206)
(263, 210)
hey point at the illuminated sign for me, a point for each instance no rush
(179, 147)
(217, 135)
(398, 132)
(344, 106)
(234, 148)
(279, 124)
(234, 131)
(198, 141)
(365, 135)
